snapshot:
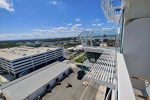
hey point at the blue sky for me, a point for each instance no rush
(35, 19)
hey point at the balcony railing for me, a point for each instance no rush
(111, 13)
(106, 66)
(107, 38)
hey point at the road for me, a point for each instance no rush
(77, 92)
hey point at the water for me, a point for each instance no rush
(83, 68)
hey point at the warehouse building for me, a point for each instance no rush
(35, 84)
(19, 59)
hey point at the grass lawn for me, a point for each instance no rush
(80, 59)
(71, 57)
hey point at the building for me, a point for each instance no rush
(57, 42)
(125, 68)
(46, 44)
(18, 59)
(78, 47)
(19, 43)
(29, 44)
(38, 43)
(35, 84)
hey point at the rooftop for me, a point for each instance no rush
(26, 85)
(19, 52)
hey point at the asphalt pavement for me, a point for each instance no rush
(78, 91)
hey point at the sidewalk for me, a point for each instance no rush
(73, 65)
(101, 93)
(79, 56)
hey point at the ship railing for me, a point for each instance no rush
(106, 38)
(111, 13)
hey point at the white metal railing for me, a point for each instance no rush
(111, 13)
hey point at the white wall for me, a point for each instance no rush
(37, 93)
(136, 48)
(139, 9)
(41, 90)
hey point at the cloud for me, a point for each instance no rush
(96, 20)
(56, 32)
(75, 27)
(8, 5)
(77, 24)
(54, 2)
(38, 35)
(99, 24)
(61, 28)
(78, 19)
(93, 24)
(69, 24)
(46, 31)
(88, 29)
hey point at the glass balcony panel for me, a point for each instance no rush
(96, 38)
(85, 38)
(103, 39)
(109, 38)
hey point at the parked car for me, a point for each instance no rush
(1, 84)
(24, 73)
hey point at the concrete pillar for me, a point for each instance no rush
(55, 54)
(45, 58)
(12, 66)
(14, 75)
(32, 63)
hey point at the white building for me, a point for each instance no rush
(38, 43)
(19, 43)
(18, 59)
(47, 44)
(35, 84)
(29, 44)
(78, 47)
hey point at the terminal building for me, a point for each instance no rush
(35, 84)
(18, 59)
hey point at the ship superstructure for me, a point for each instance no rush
(118, 58)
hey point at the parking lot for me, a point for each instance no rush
(78, 91)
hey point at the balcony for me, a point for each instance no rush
(103, 71)
(111, 13)
(107, 39)
(106, 65)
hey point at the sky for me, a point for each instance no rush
(39, 19)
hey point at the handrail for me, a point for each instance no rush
(125, 90)
(140, 96)
(111, 13)
(142, 79)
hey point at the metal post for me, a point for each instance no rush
(102, 37)
(121, 48)
(91, 37)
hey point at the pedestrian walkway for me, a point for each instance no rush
(101, 93)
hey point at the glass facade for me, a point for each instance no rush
(92, 56)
